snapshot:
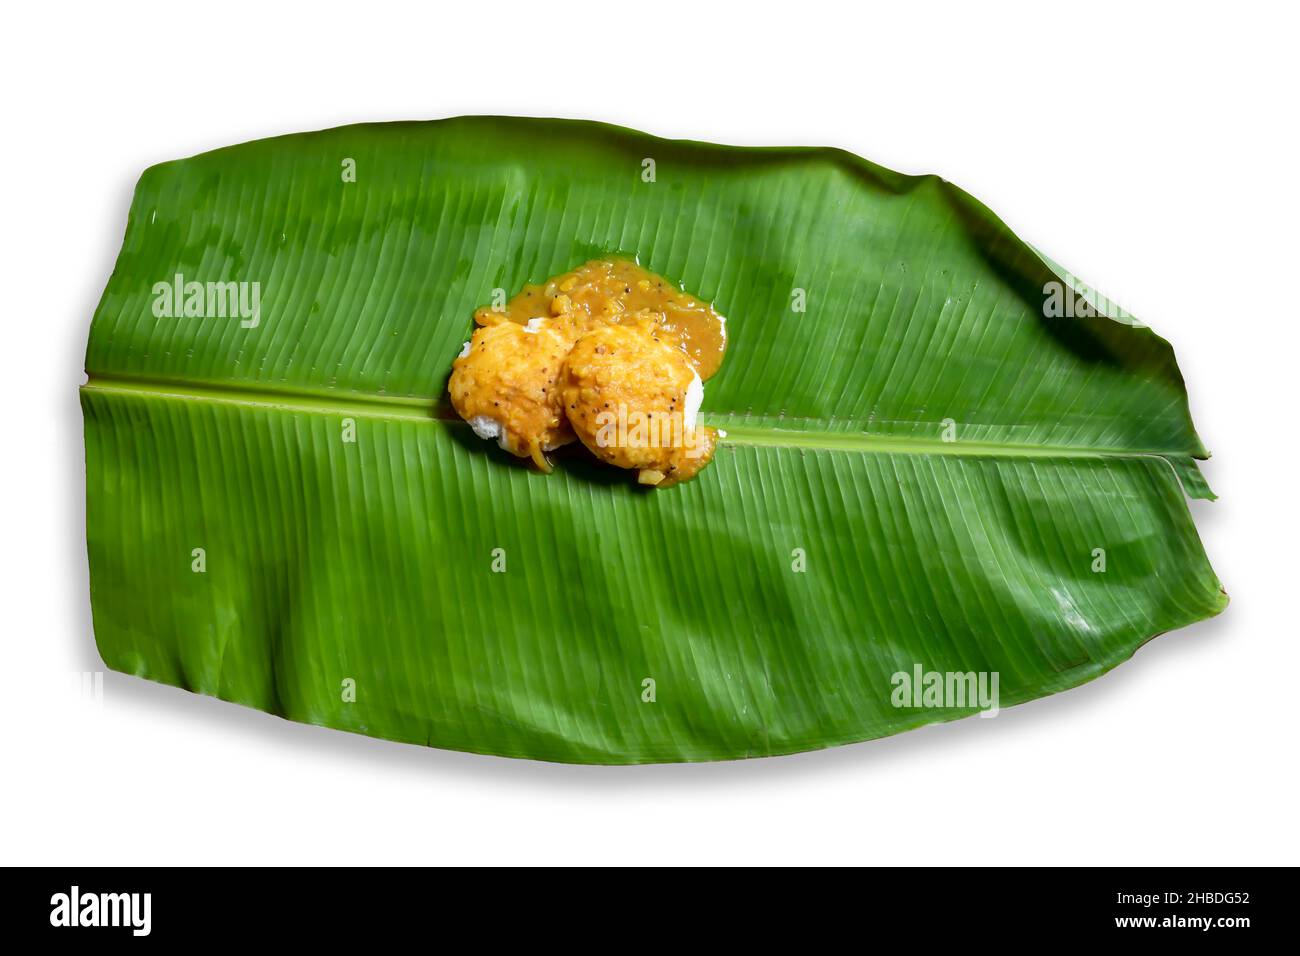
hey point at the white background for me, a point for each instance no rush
(1150, 149)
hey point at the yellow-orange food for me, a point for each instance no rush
(504, 385)
(609, 351)
(614, 291)
(632, 400)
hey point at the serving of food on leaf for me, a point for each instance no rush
(608, 354)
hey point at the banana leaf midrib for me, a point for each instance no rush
(438, 411)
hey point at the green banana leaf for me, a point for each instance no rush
(927, 469)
